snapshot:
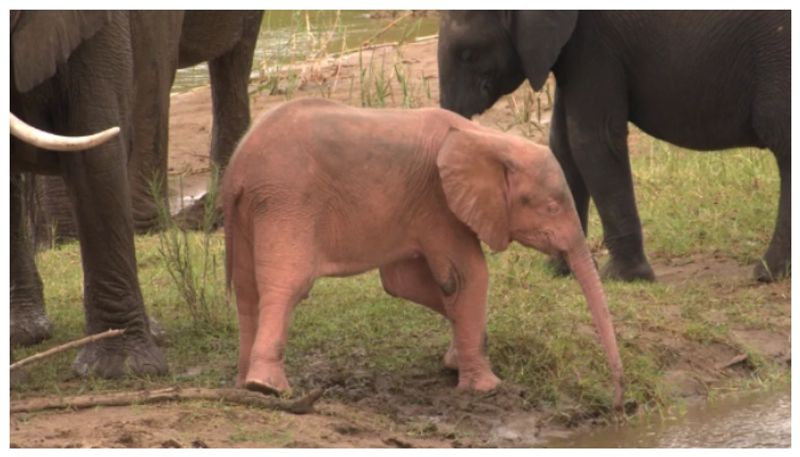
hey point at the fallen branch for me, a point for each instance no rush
(66, 346)
(302, 405)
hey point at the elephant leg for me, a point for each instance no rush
(266, 371)
(777, 259)
(772, 123)
(97, 184)
(459, 270)
(246, 289)
(155, 36)
(29, 323)
(230, 77)
(283, 278)
(598, 140)
(112, 298)
(559, 143)
(412, 280)
(229, 74)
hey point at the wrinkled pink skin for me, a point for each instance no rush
(321, 189)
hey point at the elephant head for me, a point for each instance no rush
(41, 40)
(509, 189)
(45, 140)
(486, 54)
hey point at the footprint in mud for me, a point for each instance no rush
(504, 416)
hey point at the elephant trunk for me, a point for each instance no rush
(582, 265)
(45, 140)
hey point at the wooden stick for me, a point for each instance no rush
(66, 346)
(302, 405)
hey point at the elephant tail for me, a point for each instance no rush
(230, 202)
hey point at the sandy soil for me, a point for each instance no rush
(364, 409)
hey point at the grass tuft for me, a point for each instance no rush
(194, 262)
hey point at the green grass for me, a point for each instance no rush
(540, 331)
(706, 202)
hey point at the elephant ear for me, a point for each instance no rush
(539, 37)
(473, 178)
(40, 40)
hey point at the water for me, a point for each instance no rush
(759, 420)
(293, 36)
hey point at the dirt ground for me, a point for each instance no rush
(359, 408)
(362, 408)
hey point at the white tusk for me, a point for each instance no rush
(45, 140)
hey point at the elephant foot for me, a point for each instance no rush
(628, 271)
(258, 386)
(117, 357)
(274, 383)
(194, 217)
(481, 381)
(29, 327)
(766, 271)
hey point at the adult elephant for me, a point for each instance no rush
(702, 80)
(72, 73)
(224, 39)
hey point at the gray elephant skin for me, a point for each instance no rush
(226, 40)
(75, 72)
(704, 80)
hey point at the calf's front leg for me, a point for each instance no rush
(464, 282)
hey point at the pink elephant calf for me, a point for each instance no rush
(317, 188)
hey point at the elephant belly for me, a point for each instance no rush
(340, 262)
(694, 122)
(693, 103)
(355, 244)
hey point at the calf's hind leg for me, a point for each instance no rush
(246, 289)
(283, 279)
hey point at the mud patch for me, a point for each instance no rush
(714, 269)
(426, 403)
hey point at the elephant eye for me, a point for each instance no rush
(553, 208)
